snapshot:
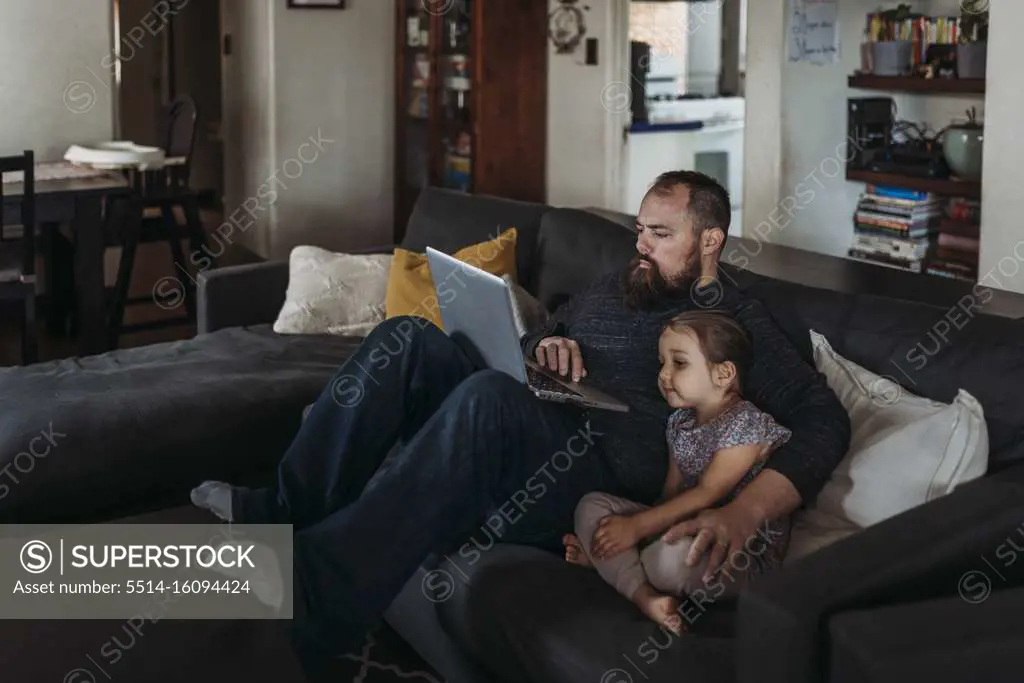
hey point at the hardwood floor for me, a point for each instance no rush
(153, 262)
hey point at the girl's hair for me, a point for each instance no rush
(720, 338)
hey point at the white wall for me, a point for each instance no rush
(53, 90)
(248, 117)
(1002, 226)
(585, 111)
(762, 151)
(334, 73)
(812, 125)
(302, 76)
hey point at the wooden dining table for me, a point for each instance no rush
(76, 202)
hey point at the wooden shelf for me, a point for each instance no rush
(953, 188)
(914, 84)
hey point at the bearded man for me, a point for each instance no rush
(473, 439)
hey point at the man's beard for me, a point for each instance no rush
(646, 288)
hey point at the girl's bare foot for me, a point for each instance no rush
(662, 609)
(574, 552)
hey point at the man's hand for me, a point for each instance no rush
(561, 355)
(615, 533)
(724, 531)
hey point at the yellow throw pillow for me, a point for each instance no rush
(411, 289)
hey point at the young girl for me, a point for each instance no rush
(717, 442)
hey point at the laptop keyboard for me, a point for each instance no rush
(542, 382)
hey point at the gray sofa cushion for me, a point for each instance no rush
(448, 221)
(929, 350)
(593, 245)
(136, 428)
(412, 615)
(531, 616)
(250, 294)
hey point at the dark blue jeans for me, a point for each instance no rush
(477, 452)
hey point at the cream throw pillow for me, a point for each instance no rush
(905, 450)
(331, 293)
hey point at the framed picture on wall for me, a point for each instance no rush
(316, 4)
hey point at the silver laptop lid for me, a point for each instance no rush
(476, 309)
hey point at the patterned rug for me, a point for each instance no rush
(385, 658)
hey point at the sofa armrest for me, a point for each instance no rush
(946, 639)
(234, 296)
(925, 553)
(250, 294)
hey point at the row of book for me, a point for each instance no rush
(922, 31)
(915, 231)
(958, 244)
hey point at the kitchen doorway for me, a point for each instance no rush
(686, 63)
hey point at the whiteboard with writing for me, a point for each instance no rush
(814, 31)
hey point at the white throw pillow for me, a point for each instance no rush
(529, 313)
(905, 450)
(331, 293)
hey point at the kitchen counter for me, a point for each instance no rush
(700, 135)
(665, 126)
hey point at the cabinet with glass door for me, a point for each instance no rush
(460, 65)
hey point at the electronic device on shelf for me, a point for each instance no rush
(639, 67)
(922, 161)
(870, 123)
(914, 151)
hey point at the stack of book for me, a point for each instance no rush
(959, 240)
(894, 227)
(921, 31)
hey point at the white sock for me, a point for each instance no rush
(214, 496)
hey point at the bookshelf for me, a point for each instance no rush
(953, 188)
(471, 100)
(903, 220)
(916, 84)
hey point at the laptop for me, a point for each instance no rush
(476, 309)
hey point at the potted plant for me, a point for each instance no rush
(972, 45)
(890, 55)
(962, 145)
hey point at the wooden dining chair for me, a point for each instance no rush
(171, 187)
(18, 257)
(158, 193)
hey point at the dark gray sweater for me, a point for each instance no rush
(620, 353)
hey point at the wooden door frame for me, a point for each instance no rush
(616, 122)
(167, 58)
(115, 81)
(618, 72)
